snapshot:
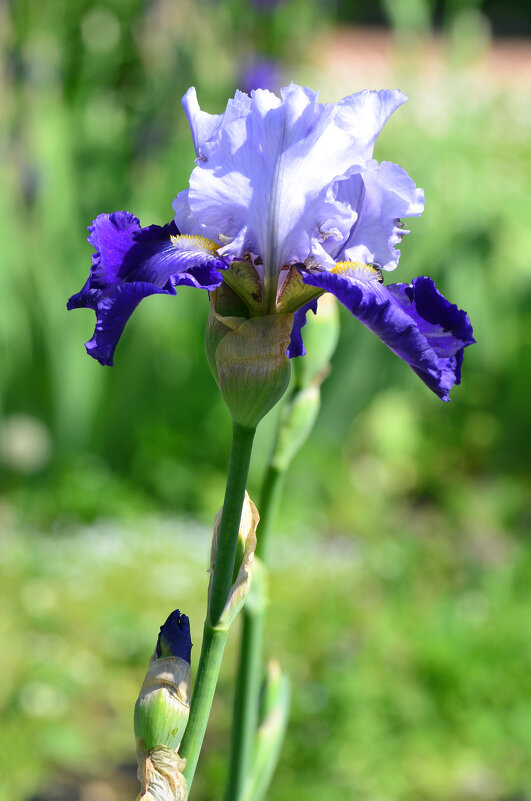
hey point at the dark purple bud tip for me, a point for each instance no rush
(174, 638)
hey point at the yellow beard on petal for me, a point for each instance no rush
(194, 242)
(357, 269)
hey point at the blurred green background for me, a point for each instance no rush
(401, 568)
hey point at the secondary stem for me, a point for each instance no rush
(269, 502)
(214, 638)
(252, 639)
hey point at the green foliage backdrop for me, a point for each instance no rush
(402, 562)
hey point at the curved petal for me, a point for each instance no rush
(296, 345)
(263, 183)
(132, 263)
(381, 194)
(112, 313)
(414, 320)
(204, 126)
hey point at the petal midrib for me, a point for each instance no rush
(271, 255)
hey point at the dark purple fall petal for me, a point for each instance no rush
(414, 320)
(112, 313)
(130, 264)
(296, 345)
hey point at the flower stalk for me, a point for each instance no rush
(218, 621)
(212, 649)
(240, 457)
(296, 420)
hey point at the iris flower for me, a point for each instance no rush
(285, 193)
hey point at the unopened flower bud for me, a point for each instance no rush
(248, 359)
(163, 706)
(174, 637)
(226, 309)
(297, 419)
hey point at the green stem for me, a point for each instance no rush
(269, 503)
(249, 676)
(212, 649)
(245, 715)
(214, 638)
(240, 457)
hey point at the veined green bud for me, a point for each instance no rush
(297, 419)
(163, 706)
(248, 360)
(244, 561)
(224, 303)
(320, 335)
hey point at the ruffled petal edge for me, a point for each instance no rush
(414, 320)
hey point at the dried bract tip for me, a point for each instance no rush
(160, 773)
(243, 572)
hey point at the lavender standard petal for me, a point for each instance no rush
(205, 126)
(264, 178)
(381, 195)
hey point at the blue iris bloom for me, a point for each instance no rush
(289, 186)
